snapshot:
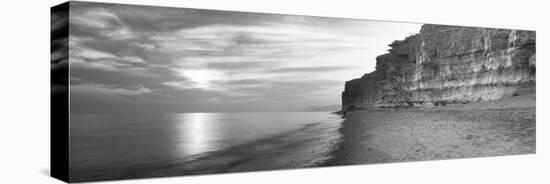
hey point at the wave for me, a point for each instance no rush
(307, 146)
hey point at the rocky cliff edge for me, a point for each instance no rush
(448, 64)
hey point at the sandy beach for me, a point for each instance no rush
(380, 135)
(505, 127)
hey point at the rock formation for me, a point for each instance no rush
(447, 64)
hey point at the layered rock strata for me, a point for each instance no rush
(447, 64)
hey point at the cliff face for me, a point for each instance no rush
(447, 64)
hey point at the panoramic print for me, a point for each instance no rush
(159, 91)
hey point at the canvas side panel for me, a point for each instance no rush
(59, 110)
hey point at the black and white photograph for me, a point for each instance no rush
(274, 92)
(158, 91)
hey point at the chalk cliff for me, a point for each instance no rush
(447, 64)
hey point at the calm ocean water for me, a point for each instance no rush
(107, 146)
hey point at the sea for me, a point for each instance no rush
(124, 146)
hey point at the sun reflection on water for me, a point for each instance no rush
(197, 132)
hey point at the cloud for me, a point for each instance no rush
(273, 89)
(307, 69)
(59, 48)
(98, 89)
(245, 82)
(133, 59)
(192, 59)
(91, 53)
(233, 66)
(101, 21)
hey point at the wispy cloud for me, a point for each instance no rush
(310, 69)
(180, 58)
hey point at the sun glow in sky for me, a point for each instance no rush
(201, 78)
(188, 60)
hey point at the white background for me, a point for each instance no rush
(25, 67)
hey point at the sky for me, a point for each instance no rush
(158, 59)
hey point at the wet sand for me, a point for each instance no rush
(505, 127)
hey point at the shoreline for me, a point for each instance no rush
(304, 147)
(482, 129)
(277, 152)
(371, 136)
